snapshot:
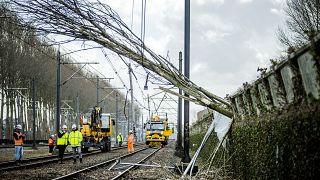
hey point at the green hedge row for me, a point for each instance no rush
(285, 145)
(282, 145)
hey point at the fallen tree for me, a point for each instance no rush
(98, 22)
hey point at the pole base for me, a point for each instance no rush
(186, 158)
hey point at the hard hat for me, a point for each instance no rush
(64, 127)
(119, 133)
(52, 136)
(130, 131)
(74, 126)
(19, 126)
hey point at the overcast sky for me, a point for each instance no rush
(230, 39)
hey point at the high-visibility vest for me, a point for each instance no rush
(50, 141)
(120, 138)
(63, 140)
(75, 138)
(18, 142)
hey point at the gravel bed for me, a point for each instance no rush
(165, 157)
(104, 173)
(8, 154)
(55, 169)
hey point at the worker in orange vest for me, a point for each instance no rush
(51, 144)
(18, 138)
(130, 142)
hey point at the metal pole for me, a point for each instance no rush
(149, 107)
(131, 90)
(78, 110)
(179, 147)
(117, 115)
(34, 114)
(97, 90)
(18, 109)
(128, 124)
(142, 126)
(58, 92)
(186, 157)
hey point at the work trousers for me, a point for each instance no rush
(51, 148)
(76, 150)
(61, 148)
(19, 152)
(130, 147)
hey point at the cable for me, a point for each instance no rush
(116, 72)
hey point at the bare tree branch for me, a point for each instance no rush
(98, 22)
(303, 22)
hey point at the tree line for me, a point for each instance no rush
(25, 56)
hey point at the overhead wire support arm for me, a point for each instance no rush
(84, 64)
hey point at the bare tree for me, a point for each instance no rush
(303, 22)
(98, 22)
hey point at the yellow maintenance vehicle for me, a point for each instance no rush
(158, 131)
(97, 132)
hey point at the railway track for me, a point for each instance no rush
(39, 161)
(112, 169)
(127, 168)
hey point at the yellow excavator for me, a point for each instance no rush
(158, 131)
(97, 132)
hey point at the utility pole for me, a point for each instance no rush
(117, 115)
(186, 157)
(142, 126)
(59, 84)
(58, 92)
(18, 109)
(179, 147)
(149, 107)
(78, 110)
(131, 91)
(97, 91)
(34, 113)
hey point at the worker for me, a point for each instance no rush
(18, 138)
(62, 142)
(51, 144)
(75, 138)
(120, 139)
(130, 142)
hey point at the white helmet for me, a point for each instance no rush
(52, 136)
(119, 133)
(130, 131)
(19, 127)
(74, 126)
(64, 127)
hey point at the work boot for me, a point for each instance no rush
(80, 160)
(61, 162)
(74, 161)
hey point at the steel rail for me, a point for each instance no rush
(12, 165)
(76, 173)
(134, 166)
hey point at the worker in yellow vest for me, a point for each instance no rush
(18, 138)
(62, 142)
(120, 139)
(75, 139)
